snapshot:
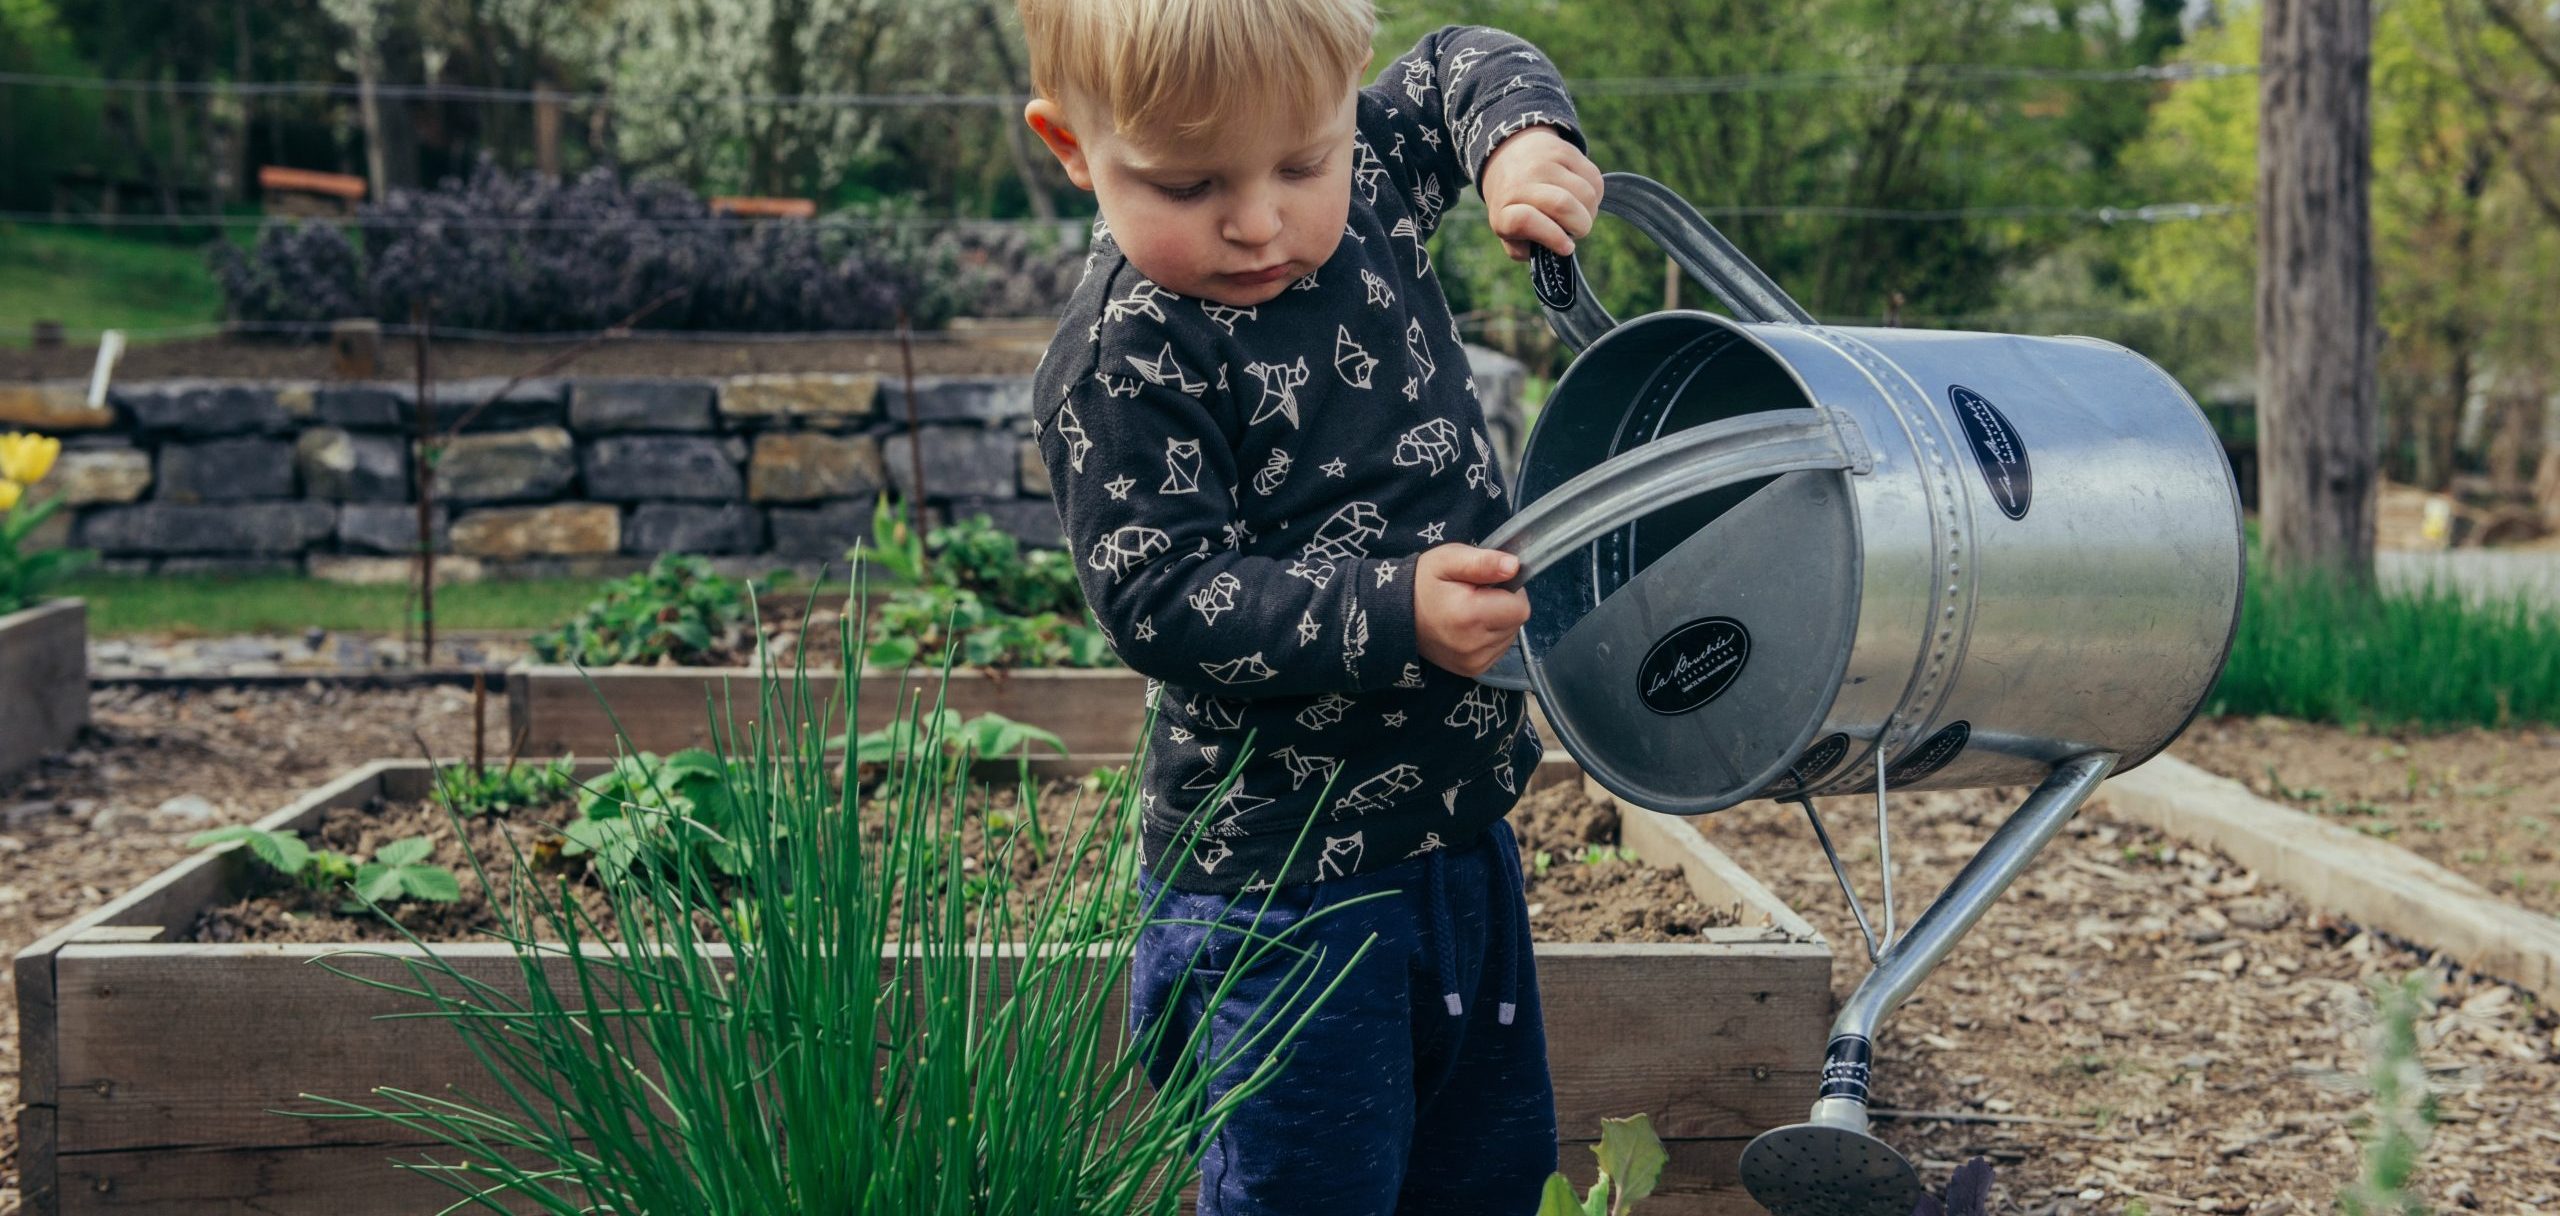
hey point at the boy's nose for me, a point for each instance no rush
(1254, 222)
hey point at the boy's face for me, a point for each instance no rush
(1233, 219)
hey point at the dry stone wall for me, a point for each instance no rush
(556, 477)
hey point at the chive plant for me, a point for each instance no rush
(840, 1027)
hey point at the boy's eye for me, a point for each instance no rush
(1311, 169)
(1184, 193)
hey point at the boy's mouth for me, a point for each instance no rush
(1256, 278)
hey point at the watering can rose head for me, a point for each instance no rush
(24, 460)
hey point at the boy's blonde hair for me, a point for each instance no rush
(1181, 70)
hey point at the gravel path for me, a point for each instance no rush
(2136, 1021)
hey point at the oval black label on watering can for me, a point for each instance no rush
(1934, 753)
(1552, 277)
(1997, 450)
(1693, 664)
(1810, 768)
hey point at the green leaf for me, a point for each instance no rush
(1557, 1199)
(282, 850)
(378, 882)
(891, 652)
(1631, 1153)
(431, 883)
(403, 852)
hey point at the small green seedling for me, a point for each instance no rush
(501, 788)
(395, 872)
(1631, 1161)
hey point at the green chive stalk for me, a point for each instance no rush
(841, 1027)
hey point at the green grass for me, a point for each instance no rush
(284, 604)
(91, 281)
(2313, 648)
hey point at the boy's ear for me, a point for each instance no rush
(1048, 120)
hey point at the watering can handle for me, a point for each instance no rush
(1676, 467)
(1651, 476)
(1693, 243)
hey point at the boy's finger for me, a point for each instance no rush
(1481, 566)
(1566, 210)
(1521, 221)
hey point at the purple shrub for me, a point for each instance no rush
(516, 253)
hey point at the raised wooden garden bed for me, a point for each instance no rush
(44, 680)
(150, 1067)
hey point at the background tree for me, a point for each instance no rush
(2317, 476)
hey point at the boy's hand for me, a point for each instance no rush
(1539, 190)
(1462, 618)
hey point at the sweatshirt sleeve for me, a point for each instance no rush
(1137, 443)
(1450, 101)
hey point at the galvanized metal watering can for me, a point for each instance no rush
(1769, 558)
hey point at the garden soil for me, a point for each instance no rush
(2482, 803)
(1581, 888)
(2136, 1021)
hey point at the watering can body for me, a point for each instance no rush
(1960, 558)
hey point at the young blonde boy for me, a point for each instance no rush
(1269, 461)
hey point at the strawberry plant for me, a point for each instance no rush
(396, 872)
(971, 587)
(677, 610)
(496, 789)
(1631, 1160)
(648, 809)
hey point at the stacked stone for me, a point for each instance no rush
(555, 477)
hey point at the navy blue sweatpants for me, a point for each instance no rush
(1419, 1086)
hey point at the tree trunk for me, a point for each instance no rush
(2316, 336)
(1017, 139)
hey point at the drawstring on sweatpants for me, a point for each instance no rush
(1515, 930)
(1441, 931)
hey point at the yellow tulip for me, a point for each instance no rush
(25, 459)
(9, 492)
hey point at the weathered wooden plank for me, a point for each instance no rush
(44, 680)
(1701, 1179)
(1705, 1038)
(557, 711)
(2346, 872)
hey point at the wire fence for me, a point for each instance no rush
(2141, 213)
(1628, 86)
(1478, 323)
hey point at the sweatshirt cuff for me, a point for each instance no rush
(1517, 111)
(1382, 587)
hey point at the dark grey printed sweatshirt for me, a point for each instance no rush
(1246, 491)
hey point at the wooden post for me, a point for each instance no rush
(2316, 339)
(423, 466)
(546, 131)
(355, 347)
(1670, 284)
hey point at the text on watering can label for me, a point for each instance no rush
(1693, 664)
(1997, 451)
(1934, 753)
(1809, 770)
